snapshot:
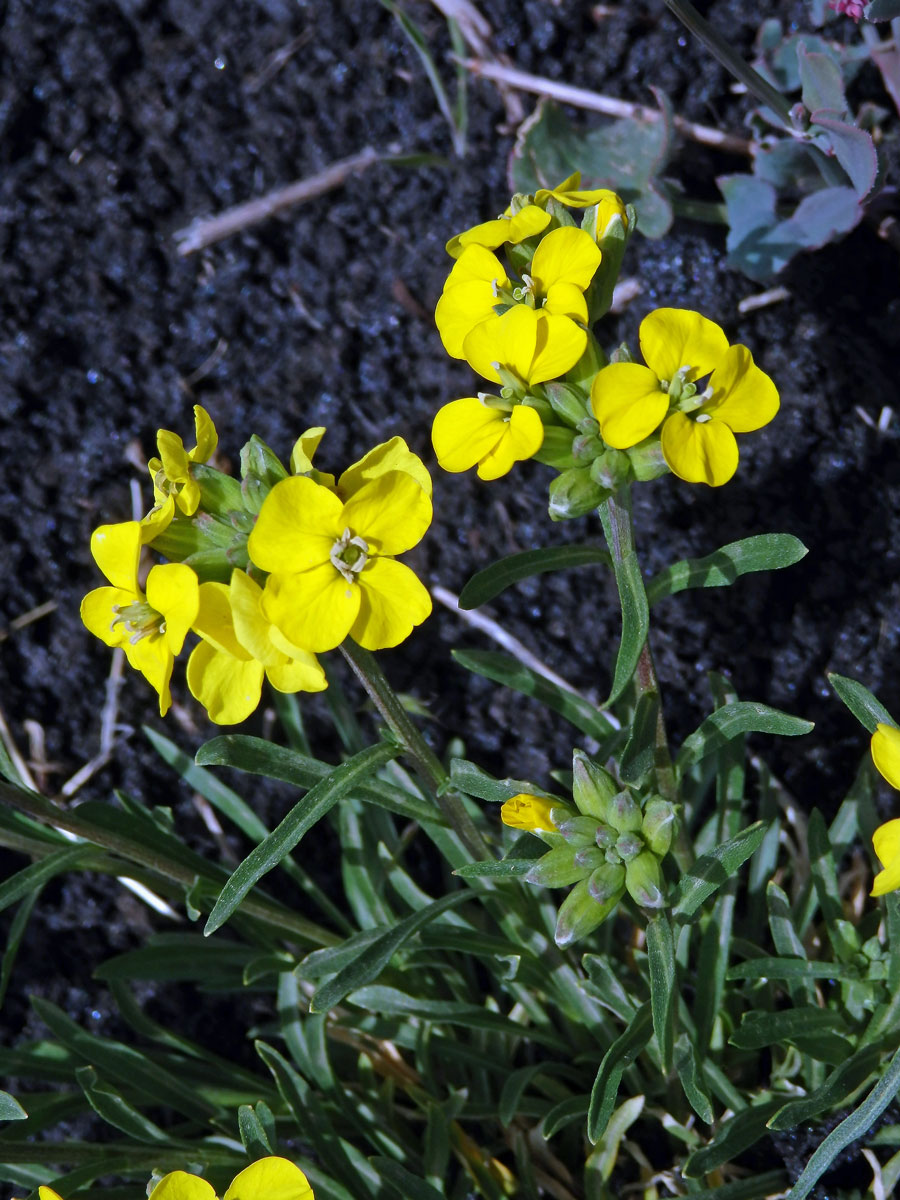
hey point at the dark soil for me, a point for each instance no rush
(122, 121)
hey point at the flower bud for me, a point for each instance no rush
(592, 787)
(629, 846)
(556, 448)
(605, 837)
(611, 469)
(644, 881)
(589, 857)
(658, 825)
(531, 813)
(574, 494)
(557, 868)
(647, 460)
(569, 403)
(607, 882)
(578, 830)
(580, 914)
(624, 813)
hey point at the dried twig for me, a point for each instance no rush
(763, 299)
(33, 614)
(15, 757)
(205, 231)
(275, 61)
(582, 98)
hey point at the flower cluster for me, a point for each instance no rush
(269, 1178)
(528, 328)
(886, 838)
(268, 572)
(610, 843)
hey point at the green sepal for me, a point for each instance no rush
(585, 370)
(629, 846)
(646, 459)
(556, 448)
(580, 914)
(557, 868)
(607, 883)
(579, 830)
(568, 401)
(219, 493)
(558, 212)
(658, 825)
(593, 788)
(625, 813)
(644, 881)
(590, 857)
(574, 494)
(612, 245)
(611, 469)
(259, 461)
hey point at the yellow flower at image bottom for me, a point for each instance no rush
(885, 748)
(238, 647)
(331, 567)
(468, 431)
(266, 1179)
(150, 628)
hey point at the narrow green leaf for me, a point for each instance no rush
(759, 1186)
(760, 1029)
(253, 1135)
(791, 968)
(181, 957)
(715, 947)
(373, 958)
(635, 622)
(37, 874)
(115, 1110)
(620, 1055)
(256, 756)
(517, 1084)
(835, 1091)
(318, 801)
(843, 937)
(663, 988)
(744, 716)
(573, 1108)
(734, 1136)
(403, 1182)
(11, 1109)
(493, 869)
(467, 777)
(856, 1125)
(692, 1080)
(764, 552)
(17, 927)
(639, 754)
(711, 870)
(867, 709)
(506, 670)
(486, 584)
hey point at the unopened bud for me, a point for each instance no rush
(607, 882)
(611, 469)
(589, 857)
(592, 787)
(605, 837)
(574, 494)
(580, 914)
(569, 403)
(557, 868)
(644, 881)
(585, 448)
(647, 460)
(658, 825)
(625, 813)
(629, 846)
(579, 830)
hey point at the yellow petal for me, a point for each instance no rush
(886, 842)
(394, 455)
(566, 300)
(270, 1179)
(627, 401)
(229, 688)
(672, 338)
(527, 812)
(46, 1193)
(393, 601)
(744, 397)
(886, 753)
(175, 462)
(390, 512)
(299, 674)
(527, 222)
(699, 451)
(181, 1186)
(476, 264)
(188, 497)
(460, 309)
(214, 621)
(567, 255)
(559, 343)
(116, 550)
(97, 613)
(542, 195)
(522, 436)
(157, 520)
(251, 628)
(299, 522)
(304, 448)
(153, 658)
(464, 431)
(172, 589)
(206, 436)
(486, 344)
(313, 609)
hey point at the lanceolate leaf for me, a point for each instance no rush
(282, 840)
(711, 870)
(663, 989)
(10, 1108)
(620, 1055)
(867, 709)
(744, 716)
(839, 1085)
(765, 552)
(496, 578)
(35, 876)
(635, 622)
(734, 1136)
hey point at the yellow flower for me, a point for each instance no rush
(393, 455)
(171, 472)
(569, 192)
(532, 345)
(528, 812)
(46, 1193)
(266, 1179)
(331, 564)
(468, 431)
(239, 646)
(528, 221)
(886, 838)
(697, 439)
(150, 628)
(472, 289)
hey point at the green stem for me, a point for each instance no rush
(428, 765)
(731, 60)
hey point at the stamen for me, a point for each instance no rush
(349, 555)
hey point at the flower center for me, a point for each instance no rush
(349, 555)
(139, 620)
(683, 394)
